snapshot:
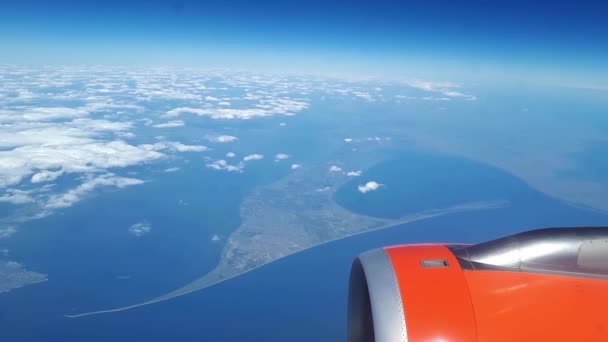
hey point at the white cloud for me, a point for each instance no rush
(51, 135)
(110, 106)
(179, 147)
(72, 196)
(363, 95)
(42, 114)
(222, 165)
(172, 169)
(16, 196)
(7, 232)
(80, 158)
(369, 186)
(436, 98)
(264, 108)
(335, 168)
(222, 138)
(140, 229)
(354, 173)
(432, 86)
(44, 136)
(295, 166)
(215, 238)
(170, 124)
(283, 124)
(281, 156)
(173, 146)
(444, 88)
(78, 131)
(253, 157)
(99, 126)
(405, 97)
(40, 143)
(45, 176)
(323, 189)
(451, 93)
(127, 135)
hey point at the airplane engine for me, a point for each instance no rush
(542, 285)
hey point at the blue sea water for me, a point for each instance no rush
(593, 157)
(299, 298)
(415, 181)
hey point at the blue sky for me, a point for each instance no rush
(555, 42)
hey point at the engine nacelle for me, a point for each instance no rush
(542, 285)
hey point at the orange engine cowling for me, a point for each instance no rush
(541, 285)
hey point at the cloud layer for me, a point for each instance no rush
(269, 106)
(67, 132)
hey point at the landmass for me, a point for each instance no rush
(13, 275)
(290, 216)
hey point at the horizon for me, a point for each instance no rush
(552, 43)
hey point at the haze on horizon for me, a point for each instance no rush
(548, 42)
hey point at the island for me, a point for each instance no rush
(13, 275)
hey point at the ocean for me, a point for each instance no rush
(93, 262)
